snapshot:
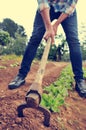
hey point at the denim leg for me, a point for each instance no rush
(35, 39)
(70, 28)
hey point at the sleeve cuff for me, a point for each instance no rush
(70, 10)
(42, 6)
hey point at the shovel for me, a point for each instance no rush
(33, 96)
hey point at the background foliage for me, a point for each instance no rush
(13, 40)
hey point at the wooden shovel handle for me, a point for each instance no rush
(33, 96)
(41, 70)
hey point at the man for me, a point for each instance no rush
(64, 12)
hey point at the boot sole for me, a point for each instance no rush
(15, 86)
(83, 95)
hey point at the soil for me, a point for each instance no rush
(72, 115)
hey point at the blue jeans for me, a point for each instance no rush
(70, 28)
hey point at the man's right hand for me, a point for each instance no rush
(50, 33)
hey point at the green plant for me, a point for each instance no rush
(15, 64)
(84, 69)
(19, 45)
(2, 67)
(4, 38)
(54, 95)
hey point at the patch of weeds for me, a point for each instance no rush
(14, 65)
(2, 67)
(10, 57)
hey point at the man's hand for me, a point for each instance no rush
(51, 31)
(51, 27)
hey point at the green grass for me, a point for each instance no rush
(10, 57)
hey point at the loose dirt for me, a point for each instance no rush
(72, 115)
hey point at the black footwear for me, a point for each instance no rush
(80, 87)
(17, 82)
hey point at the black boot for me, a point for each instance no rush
(80, 87)
(17, 82)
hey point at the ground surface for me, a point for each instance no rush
(72, 116)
